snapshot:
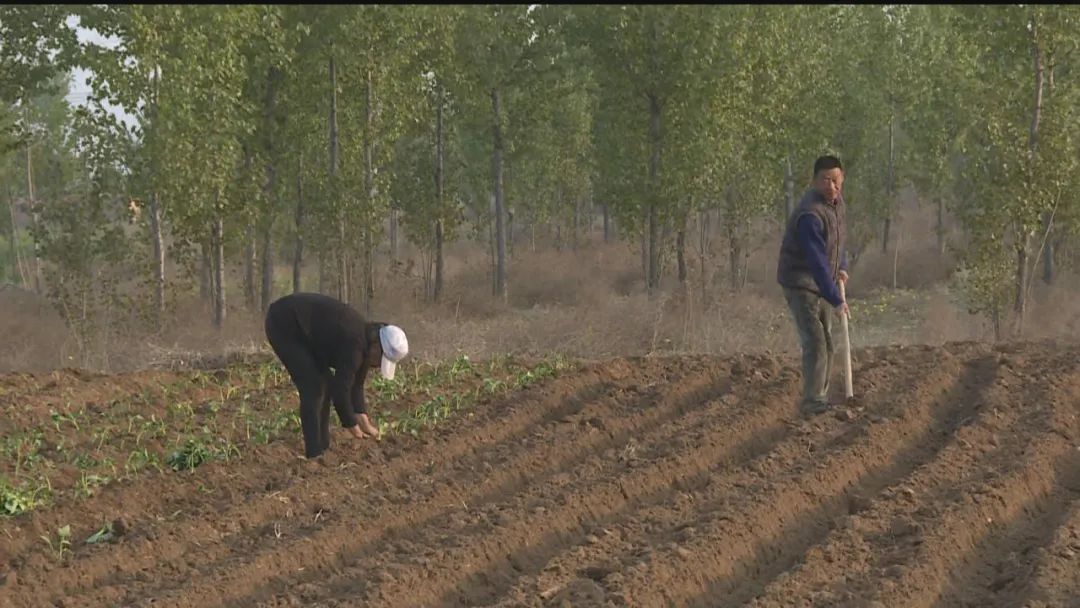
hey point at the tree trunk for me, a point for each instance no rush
(995, 319)
(654, 194)
(492, 251)
(369, 188)
(1048, 252)
(267, 266)
(340, 257)
(509, 227)
(703, 243)
(324, 279)
(734, 241)
(35, 219)
(393, 234)
(500, 220)
(251, 262)
(158, 244)
(889, 189)
(680, 246)
(557, 218)
(440, 266)
(342, 260)
(219, 270)
(735, 258)
(333, 119)
(206, 278)
(1020, 303)
(896, 258)
(941, 225)
(507, 180)
(789, 191)
(1024, 240)
(369, 268)
(745, 267)
(645, 255)
(607, 225)
(427, 263)
(665, 238)
(298, 254)
(18, 272)
(271, 191)
(1036, 52)
(574, 224)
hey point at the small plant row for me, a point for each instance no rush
(442, 406)
(130, 435)
(61, 546)
(111, 447)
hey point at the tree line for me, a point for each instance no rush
(326, 134)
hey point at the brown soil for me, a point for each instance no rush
(954, 480)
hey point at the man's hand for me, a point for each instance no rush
(842, 310)
(843, 276)
(356, 432)
(367, 427)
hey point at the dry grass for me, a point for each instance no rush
(588, 303)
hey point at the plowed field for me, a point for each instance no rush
(953, 480)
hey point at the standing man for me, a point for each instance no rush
(312, 333)
(812, 261)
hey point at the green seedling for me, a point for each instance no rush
(104, 535)
(63, 542)
(131, 423)
(158, 428)
(428, 378)
(492, 385)
(61, 447)
(278, 375)
(102, 437)
(140, 459)
(107, 463)
(387, 390)
(84, 461)
(230, 390)
(227, 451)
(262, 375)
(215, 406)
(191, 455)
(199, 379)
(182, 410)
(384, 426)
(24, 449)
(58, 418)
(461, 366)
(16, 500)
(87, 483)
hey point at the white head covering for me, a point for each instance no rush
(394, 347)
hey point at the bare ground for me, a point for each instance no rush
(954, 480)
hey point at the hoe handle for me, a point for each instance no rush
(848, 392)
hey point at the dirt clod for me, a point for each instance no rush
(846, 415)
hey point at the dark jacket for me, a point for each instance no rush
(813, 248)
(336, 336)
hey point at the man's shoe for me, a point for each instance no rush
(813, 408)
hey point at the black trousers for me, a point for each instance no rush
(311, 378)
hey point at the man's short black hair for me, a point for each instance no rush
(824, 163)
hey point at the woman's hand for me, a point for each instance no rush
(366, 426)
